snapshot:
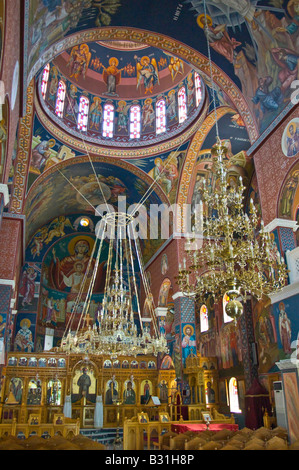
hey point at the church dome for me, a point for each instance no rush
(121, 94)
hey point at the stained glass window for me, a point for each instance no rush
(233, 396)
(204, 321)
(60, 99)
(135, 122)
(182, 104)
(45, 79)
(160, 116)
(83, 114)
(108, 120)
(198, 91)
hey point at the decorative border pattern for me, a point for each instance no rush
(23, 154)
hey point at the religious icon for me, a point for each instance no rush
(218, 37)
(27, 287)
(40, 155)
(164, 264)
(285, 329)
(163, 294)
(68, 273)
(79, 61)
(112, 75)
(96, 112)
(129, 395)
(176, 66)
(188, 342)
(290, 139)
(24, 337)
(84, 382)
(111, 395)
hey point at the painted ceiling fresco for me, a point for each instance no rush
(84, 75)
(254, 42)
(90, 64)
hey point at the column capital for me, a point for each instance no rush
(281, 223)
(161, 311)
(178, 295)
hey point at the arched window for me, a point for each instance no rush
(198, 90)
(233, 396)
(226, 317)
(182, 102)
(60, 99)
(135, 122)
(108, 120)
(160, 116)
(204, 321)
(45, 79)
(83, 114)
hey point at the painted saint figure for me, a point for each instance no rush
(284, 329)
(112, 75)
(84, 382)
(129, 395)
(27, 288)
(188, 342)
(24, 339)
(147, 72)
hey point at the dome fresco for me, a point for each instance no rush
(140, 78)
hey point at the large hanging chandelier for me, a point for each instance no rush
(115, 332)
(229, 251)
(234, 254)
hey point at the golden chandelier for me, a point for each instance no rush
(229, 251)
(115, 332)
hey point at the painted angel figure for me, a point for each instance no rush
(147, 72)
(176, 66)
(79, 61)
(57, 227)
